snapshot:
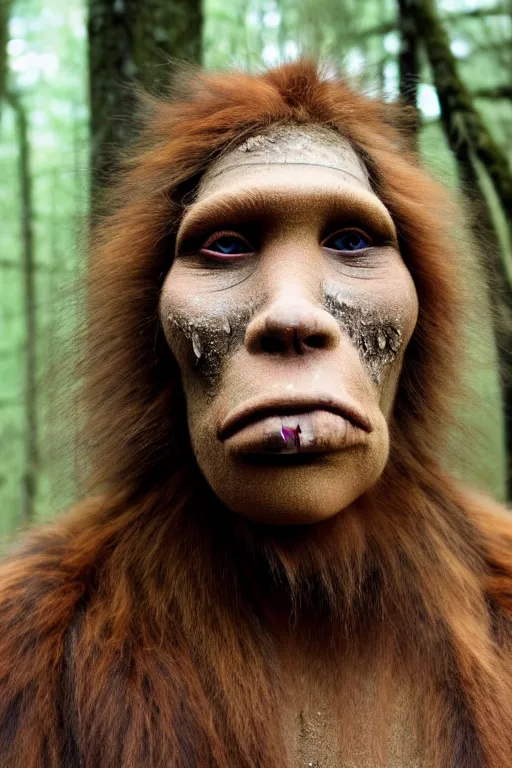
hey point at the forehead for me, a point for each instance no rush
(303, 153)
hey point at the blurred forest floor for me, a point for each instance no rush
(62, 83)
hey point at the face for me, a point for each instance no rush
(288, 308)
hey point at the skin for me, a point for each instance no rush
(297, 321)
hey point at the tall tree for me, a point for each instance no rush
(408, 58)
(467, 133)
(4, 38)
(28, 489)
(476, 153)
(132, 40)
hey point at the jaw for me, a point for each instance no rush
(262, 476)
(292, 488)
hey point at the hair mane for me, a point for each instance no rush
(133, 427)
(414, 562)
(176, 601)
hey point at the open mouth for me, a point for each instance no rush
(293, 428)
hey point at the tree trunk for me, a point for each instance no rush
(473, 146)
(132, 40)
(464, 127)
(4, 38)
(408, 60)
(29, 480)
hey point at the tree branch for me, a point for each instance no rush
(449, 18)
(498, 92)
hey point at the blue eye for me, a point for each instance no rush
(227, 245)
(348, 240)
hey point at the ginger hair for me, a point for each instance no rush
(136, 630)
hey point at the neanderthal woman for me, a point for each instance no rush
(273, 567)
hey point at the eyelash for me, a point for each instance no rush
(346, 230)
(217, 236)
(227, 258)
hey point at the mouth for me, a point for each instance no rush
(298, 425)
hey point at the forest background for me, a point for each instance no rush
(65, 107)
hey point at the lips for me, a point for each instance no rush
(297, 425)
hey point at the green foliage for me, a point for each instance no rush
(47, 57)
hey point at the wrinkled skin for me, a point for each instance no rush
(288, 304)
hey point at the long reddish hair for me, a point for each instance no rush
(134, 246)
(170, 598)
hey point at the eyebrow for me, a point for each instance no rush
(223, 208)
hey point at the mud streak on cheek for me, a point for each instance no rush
(377, 337)
(211, 340)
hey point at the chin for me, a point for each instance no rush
(295, 490)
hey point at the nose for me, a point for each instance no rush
(292, 327)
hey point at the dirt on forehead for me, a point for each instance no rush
(283, 140)
(292, 144)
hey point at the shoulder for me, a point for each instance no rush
(34, 585)
(45, 573)
(42, 582)
(493, 522)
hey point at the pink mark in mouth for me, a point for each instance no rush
(291, 434)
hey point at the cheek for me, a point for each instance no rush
(202, 332)
(379, 317)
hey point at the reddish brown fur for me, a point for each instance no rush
(134, 631)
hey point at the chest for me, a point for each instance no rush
(323, 731)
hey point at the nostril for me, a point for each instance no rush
(272, 344)
(281, 344)
(316, 341)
